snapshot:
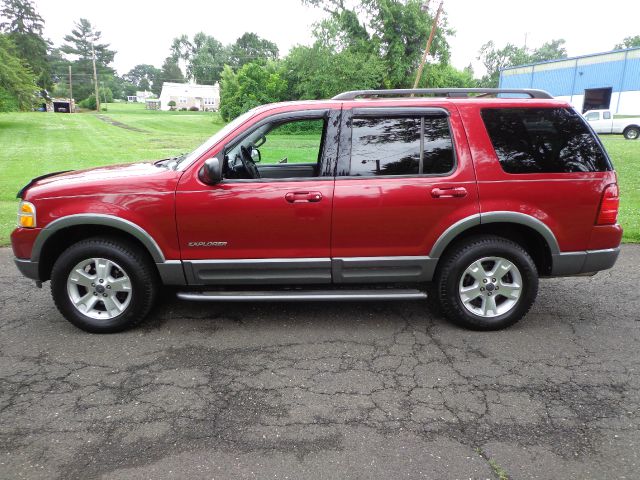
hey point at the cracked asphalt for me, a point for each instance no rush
(325, 391)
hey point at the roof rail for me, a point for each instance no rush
(442, 92)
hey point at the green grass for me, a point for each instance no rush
(37, 143)
(625, 155)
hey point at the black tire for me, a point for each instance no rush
(460, 257)
(632, 133)
(139, 268)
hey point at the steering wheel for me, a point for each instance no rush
(248, 163)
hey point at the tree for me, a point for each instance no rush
(254, 84)
(24, 27)
(207, 59)
(81, 40)
(319, 72)
(250, 48)
(79, 46)
(170, 73)
(17, 83)
(143, 76)
(549, 51)
(394, 30)
(628, 42)
(510, 55)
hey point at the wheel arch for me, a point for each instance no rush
(536, 237)
(63, 232)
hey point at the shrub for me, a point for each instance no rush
(171, 103)
(8, 102)
(88, 103)
(183, 109)
(194, 109)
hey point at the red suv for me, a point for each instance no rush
(369, 195)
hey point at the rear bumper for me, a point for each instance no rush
(28, 268)
(589, 261)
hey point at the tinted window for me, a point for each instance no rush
(543, 140)
(401, 146)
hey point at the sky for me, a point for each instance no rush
(141, 31)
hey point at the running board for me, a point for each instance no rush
(302, 295)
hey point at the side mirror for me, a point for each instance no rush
(211, 172)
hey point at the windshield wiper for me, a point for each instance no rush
(172, 162)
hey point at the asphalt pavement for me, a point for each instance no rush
(380, 390)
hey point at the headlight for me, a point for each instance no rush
(26, 215)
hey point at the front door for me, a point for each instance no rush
(269, 220)
(407, 178)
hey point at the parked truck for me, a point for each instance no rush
(602, 122)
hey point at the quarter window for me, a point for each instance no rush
(401, 146)
(543, 140)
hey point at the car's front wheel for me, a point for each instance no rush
(487, 283)
(103, 285)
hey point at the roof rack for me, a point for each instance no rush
(442, 92)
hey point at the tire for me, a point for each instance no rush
(632, 133)
(471, 263)
(120, 301)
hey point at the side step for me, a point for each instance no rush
(303, 295)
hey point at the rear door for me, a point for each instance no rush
(404, 176)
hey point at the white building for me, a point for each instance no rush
(609, 80)
(139, 97)
(187, 95)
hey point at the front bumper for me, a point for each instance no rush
(28, 268)
(589, 261)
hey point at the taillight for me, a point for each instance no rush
(608, 213)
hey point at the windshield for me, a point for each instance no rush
(188, 159)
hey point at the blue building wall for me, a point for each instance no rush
(618, 70)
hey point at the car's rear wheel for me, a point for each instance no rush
(487, 283)
(632, 133)
(103, 285)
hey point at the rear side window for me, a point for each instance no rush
(543, 140)
(401, 146)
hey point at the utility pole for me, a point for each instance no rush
(428, 47)
(95, 78)
(70, 92)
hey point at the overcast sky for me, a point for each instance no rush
(141, 30)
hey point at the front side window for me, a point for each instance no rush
(543, 140)
(401, 146)
(593, 116)
(290, 149)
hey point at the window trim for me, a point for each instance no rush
(580, 117)
(324, 114)
(346, 133)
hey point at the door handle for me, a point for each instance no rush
(296, 197)
(451, 192)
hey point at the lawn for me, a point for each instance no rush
(38, 143)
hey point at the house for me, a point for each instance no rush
(609, 80)
(188, 95)
(139, 96)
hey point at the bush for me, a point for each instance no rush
(194, 109)
(171, 103)
(8, 103)
(183, 109)
(88, 103)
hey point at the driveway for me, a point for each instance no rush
(325, 391)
